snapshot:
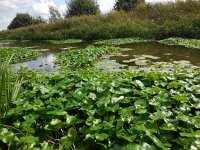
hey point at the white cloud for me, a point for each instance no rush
(106, 5)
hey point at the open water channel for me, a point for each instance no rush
(134, 55)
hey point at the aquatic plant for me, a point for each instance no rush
(82, 58)
(19, 54)
(120, 41)
(86, 110)
(68, 41)
(189, 43)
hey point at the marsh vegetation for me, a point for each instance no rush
(118, 81)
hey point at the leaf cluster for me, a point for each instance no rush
(19, 54)
(189, 43)
(93, 110)
(120, 41)
(82, 58)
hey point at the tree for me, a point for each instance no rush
(126, 5)
(38, 19)
(82, 7)
(54, 13)
(23, 20)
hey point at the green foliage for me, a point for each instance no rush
(54, 14)
(82, 58)
(82, 7)
(120, 41)
(19, 54)
(147, 21)
(87, 110)
(126, 5)
(9, 90)
(189, 43)
(68, 41)
(23, 20)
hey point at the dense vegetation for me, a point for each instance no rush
(87, 110)
(80, 108)
(82, 58)
(155, 21)
(190, 43)
(19, 54)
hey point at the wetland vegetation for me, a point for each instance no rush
(134, 85)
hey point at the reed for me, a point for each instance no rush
(9, 89)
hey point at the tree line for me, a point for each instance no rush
(73, 8)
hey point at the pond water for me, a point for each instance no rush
(134, 55)
(45, 62)
(149, 55)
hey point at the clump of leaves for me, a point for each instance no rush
(121, 110)
(81, 58)
(68, 41)
(189, 43)
(120, 41)
(8, 41)
(19, 54)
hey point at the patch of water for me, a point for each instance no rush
(45, 62)
(152, 56)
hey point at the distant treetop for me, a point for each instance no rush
(126, 5)
(82, 7)
(23, 20)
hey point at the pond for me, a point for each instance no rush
(134, 55)
(45, 62)
(142, 55)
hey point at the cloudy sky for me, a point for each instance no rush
(9, 8)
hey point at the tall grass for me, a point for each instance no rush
(9, 89)
(155, 21)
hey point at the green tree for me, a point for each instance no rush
(82, 7)
(54, 13)
(38, 19)
(23, 20)
(126, 5)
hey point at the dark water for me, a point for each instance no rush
(165, 53)
(162, 52)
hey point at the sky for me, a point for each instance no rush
(9, 8)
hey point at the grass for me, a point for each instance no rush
(147, 21)
(9, 90)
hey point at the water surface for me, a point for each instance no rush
(137, 54)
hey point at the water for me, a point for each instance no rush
(165, 53)
(138, 54)
(45, 62)
(148, 55)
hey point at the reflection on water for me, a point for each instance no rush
(46, 62)
(134, 55)
(163, 52)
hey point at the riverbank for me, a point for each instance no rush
(148, 21)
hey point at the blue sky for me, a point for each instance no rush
(9, 8)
